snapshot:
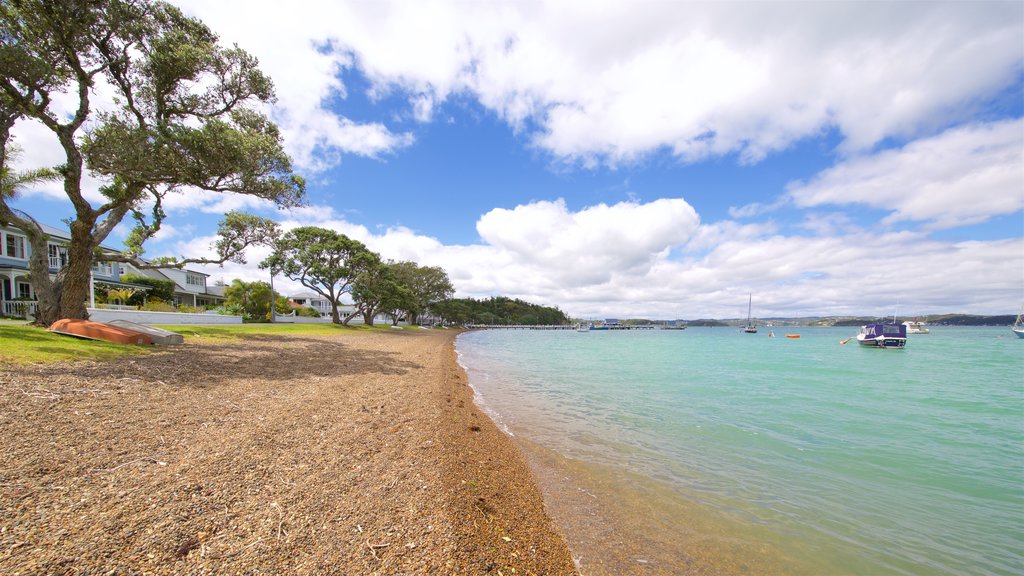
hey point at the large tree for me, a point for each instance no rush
(423, 285)
(174, 112)
(429, 285)
(322, 260)
(379, 289)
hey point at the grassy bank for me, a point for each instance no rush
(29, 344)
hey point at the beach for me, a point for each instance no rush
(355, 453)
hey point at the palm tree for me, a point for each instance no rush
(12, 181)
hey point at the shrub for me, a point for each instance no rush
(157, 305)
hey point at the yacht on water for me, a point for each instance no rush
(750, 328)
(915, 327)
(883, 335)
(1018, 326)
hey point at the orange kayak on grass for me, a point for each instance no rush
(99, 331)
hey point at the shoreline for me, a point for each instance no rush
(619, 521)
(342, 454)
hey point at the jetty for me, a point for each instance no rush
(557, 327)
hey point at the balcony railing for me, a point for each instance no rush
(19, 308)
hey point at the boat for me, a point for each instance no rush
(750, 328)
(1018, 326)
(583, 327)
(915, 327)
(99, 331)
(794, 336)
(883, 336)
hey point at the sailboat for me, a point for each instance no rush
(1018, 325)
(750, 328)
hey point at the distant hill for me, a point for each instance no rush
(706, 323)
(498, 310)
(938, 320)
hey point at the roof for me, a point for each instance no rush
(64, 235)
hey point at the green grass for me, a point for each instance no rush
(28, 344)
(241, 331)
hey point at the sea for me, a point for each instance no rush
(712, 451)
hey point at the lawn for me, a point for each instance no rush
(240, 332)
(21, 344)
(27, 344)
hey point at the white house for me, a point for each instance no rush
(323, 306)
(191, 288)
(314, 301)
(16, 295)
(18, 299)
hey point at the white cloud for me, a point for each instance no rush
(963, 176)
(301, 51)
(613, 81)
(654, 260)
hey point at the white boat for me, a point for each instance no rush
(914, 327)
(750, 328)
(1018, 326)
(883, 336)
(583, 327)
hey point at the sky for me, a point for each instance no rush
(642, 159)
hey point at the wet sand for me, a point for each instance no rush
(356, 453)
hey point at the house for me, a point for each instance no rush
(314, 301)
(16, 295)
(18, 299)
(191, 288)
(323, 306)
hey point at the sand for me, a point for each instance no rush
(357, 453)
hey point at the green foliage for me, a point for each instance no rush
(382, 288)
(307, 312)
(13, 181)
(322, 260)
(162, 290)
(184, 114)
(426, 285)
(157, 305)
(498, 310)
(400, 289)
(252, 299)
(120, 295)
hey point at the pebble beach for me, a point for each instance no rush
(354, 453)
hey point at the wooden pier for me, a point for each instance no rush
(556, 327)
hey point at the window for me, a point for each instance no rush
(58, 256)
(24, 290)
(14, 246)
(194, 279)
(103, 268)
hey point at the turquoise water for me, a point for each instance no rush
(836, 458)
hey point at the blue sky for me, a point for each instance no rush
(651, 159)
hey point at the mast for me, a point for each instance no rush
(750, 298)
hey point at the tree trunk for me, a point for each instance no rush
(47, 292)
(75, 277)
